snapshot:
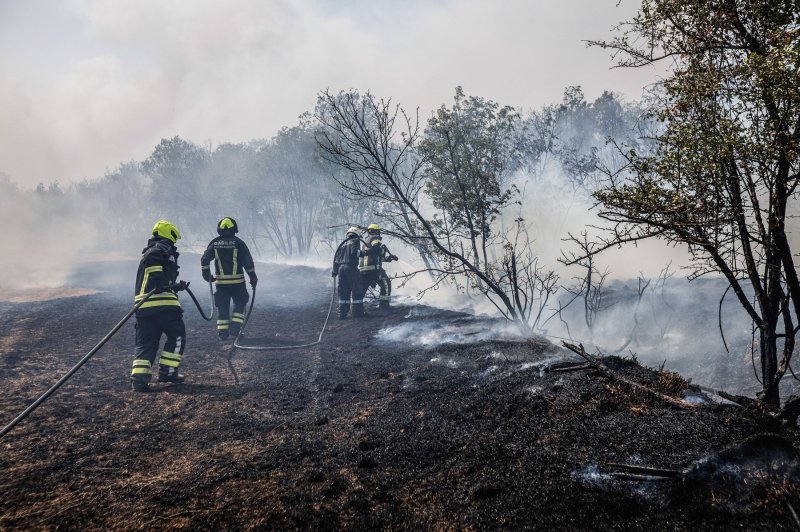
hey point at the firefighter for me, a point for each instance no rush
(231, 260)
(345, 265)
(374, 254)
(162, 312)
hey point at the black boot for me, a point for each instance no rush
(140, 385)
(170, 374)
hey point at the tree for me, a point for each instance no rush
(381, 146)
(292, 193)
(467, 150)
(726, 164)
(575, 135)
(374, 142)
(175, 167)
(121, 196)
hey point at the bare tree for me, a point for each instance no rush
(374, 141)
(379, 144)
(288, 194)
(590, 286)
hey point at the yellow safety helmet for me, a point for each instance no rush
(228, 225)
(166, 229)
(373, 228)
(352, 231)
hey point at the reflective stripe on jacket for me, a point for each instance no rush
(158, 268)
(373, 254)
(231, 259)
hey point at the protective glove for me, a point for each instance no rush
(335, 272)
(207, 276)
(179, 286)
(253, 279)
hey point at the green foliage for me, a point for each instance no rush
(727, 164)
(575, 134)
(174, 168)
(467, 150)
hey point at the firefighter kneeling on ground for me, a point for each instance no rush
(373, 256)
(231, 260)
(162, 312)
(345, 265)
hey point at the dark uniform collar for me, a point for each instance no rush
(163, 244)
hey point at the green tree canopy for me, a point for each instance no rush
(726, 165)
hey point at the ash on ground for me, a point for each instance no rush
(359, 432)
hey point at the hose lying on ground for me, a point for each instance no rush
(282, 347)
(75, 368)
(286, 347)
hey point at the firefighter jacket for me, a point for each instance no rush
(347, 254)
(374, 254)
(158, 269)
(231, 259)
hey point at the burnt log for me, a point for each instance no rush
(579, 349)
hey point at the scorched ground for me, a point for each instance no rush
(358, 432)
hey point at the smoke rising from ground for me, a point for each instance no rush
(64, 231)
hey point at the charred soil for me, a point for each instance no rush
(361, 433)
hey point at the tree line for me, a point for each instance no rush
(709, 162)
(292, 199)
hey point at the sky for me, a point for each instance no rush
(88, 84)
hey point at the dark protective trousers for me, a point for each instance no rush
(148, 336)
(226, 323)
(381, 279)
(350, 287)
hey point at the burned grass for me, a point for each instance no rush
(363, 433)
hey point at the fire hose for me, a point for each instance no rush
(33, 406)
(197, 304)
(281, 347)
(75, 368)
(247, 318)
(288, 347)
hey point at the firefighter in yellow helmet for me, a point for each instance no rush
(161, 314)
(374, 254)
(232, 259)
(345, 265)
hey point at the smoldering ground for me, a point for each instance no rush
(675, 323)
(357, 432)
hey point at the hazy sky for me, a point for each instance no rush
(87, 84)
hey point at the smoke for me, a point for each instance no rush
(553, 209)
(428, 334)
(204, 70)
(98, 82)
(677, 324)
(42, 238)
